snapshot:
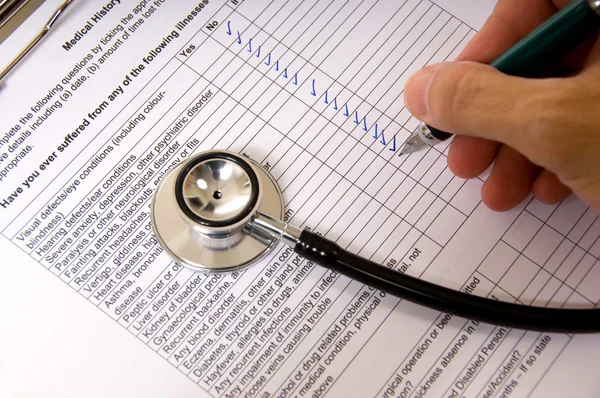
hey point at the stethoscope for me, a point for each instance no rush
(219, 211)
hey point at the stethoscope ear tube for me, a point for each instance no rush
(328, 254)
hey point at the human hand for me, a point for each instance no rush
(543, 135)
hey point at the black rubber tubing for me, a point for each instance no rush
(328, 254)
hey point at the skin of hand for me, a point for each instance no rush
(541, 135)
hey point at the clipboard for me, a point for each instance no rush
(17, 12)
(22, 11)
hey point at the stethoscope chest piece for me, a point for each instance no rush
(219, 211)
(201, 211)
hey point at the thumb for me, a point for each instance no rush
(477, 100)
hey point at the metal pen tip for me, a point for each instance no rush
(413, 144)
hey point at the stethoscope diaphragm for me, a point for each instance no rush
(201, 212)
(219, 211)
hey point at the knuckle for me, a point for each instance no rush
(550, 123)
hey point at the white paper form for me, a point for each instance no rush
(313, 92)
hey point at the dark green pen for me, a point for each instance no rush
(531, 56)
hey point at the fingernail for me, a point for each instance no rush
(416, 92)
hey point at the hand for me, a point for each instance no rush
(543, 135)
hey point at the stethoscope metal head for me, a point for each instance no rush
(204, 212)
(220, 211)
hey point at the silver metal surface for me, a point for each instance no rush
(38, 37)
(276, 229)
(595, 5)
(222, 249)
(420, 139)
(217, 190)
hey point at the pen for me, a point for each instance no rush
(546, 45)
